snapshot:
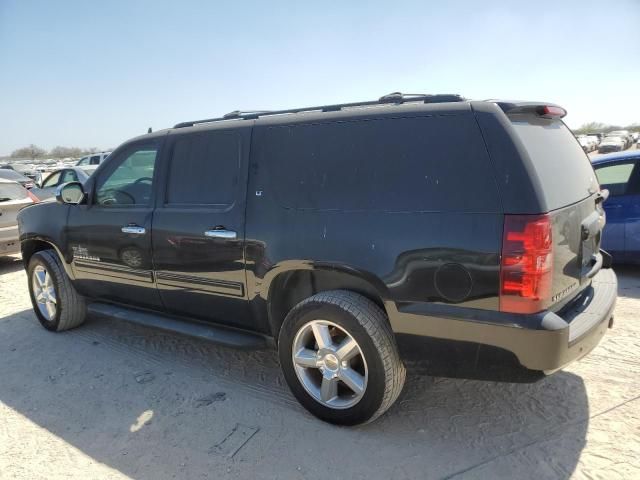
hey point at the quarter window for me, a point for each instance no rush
(130, 181)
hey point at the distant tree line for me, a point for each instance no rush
(596, 127)
(34, 152)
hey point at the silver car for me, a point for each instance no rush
(13, 198)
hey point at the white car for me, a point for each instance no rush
(93, 159)
(624, 134)
(612, 144)
(595, 139)
(13, 198)
(586, 144)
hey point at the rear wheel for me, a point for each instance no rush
(56, 303)
(340, 359)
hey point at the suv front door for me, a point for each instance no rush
(110, 237)
(198, 226)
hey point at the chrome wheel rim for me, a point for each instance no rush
(329, 364)
(44, 292)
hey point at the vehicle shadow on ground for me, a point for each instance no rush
(10, 264)
(88, 386)
(628, 280)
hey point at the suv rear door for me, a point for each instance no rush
(110, 237)
(199, 225)
(567, 188)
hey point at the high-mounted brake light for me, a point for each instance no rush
(551, 111)
(526, 267)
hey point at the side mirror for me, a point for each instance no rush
(71, 193)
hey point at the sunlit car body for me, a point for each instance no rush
(13, 198)
(15, 176)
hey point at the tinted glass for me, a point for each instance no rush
(52, 180)
(435, 163)
(564, 170)
(11, 191)
(130, 183)
(95, 160)
(204, 169)
(615, 178)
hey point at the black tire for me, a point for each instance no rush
(368, 325)
(71, 307)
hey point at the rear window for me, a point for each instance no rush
(434, 163)
(10, 191)
(564, 170)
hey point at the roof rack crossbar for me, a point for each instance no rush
(395, 97)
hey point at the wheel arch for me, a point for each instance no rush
(289, 285)
(33, 245)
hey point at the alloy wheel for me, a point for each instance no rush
(44, 292)
(330, 364)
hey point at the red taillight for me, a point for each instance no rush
(33, 197)
(526, 268)
(551, 111)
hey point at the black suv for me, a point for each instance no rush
(332, 233)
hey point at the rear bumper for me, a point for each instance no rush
(545, 341)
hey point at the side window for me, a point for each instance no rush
(130, 180)
(615, 178)
(204, 169)
(95, 160)
(84, 161)
(385, 165)
(52, 180)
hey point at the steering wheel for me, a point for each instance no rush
(143, 179)
(111, 197)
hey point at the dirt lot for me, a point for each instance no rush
(111, 400)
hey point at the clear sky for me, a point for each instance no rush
(95, 73)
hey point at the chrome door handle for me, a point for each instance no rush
(228, 234)
(134, 229)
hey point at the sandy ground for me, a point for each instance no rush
(111, 400)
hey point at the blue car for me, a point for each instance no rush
(620, 174)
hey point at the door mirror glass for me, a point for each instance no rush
(70, 193)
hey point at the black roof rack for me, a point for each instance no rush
(395, 97)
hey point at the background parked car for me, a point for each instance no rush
(93, 159)
(620, 174)
(624, 135)
(12, 175)
(588, 144)
(612, 144)
(13, 197)
(46, 191)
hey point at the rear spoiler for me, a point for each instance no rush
(546, 110)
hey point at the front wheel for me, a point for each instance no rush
(340, 359)
(56, 303)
